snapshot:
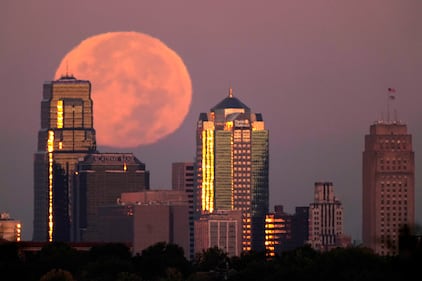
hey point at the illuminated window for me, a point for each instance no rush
(60, 114)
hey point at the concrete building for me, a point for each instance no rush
(159, 216)
(10, 229)
(183, 180)
(222, 229)
(99, 181)
(66, 135)
(326, 219)
(231, 167)
(388, 192)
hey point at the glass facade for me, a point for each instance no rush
(232, 164)
(66, 135)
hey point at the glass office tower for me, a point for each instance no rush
(67, 134)
(232, 161)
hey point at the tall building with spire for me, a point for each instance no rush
(67, 134)
(388, 184)
(232, 161)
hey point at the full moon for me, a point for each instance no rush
(141, 89)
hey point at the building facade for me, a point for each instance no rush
(388, 193)
(231, 167)
(286, 232)
(182, 178)
(67, 134)
(10, 229)
(326, 219)
(275, 229)
(159, 216)
(99, 180)
(221, 229)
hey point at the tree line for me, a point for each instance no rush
(166, 261)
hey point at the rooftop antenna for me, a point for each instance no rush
(230, 92)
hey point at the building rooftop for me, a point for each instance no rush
(230, 102)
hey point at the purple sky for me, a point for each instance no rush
(318, 71)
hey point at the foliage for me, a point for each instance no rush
(57, 275)
(164, 261)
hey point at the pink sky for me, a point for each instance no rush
(318, 71)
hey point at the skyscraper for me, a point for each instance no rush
(326, 219)
(66, 135)
(388, 193)
(232, 160)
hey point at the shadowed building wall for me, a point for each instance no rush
(183, 180)
(100, 180)
(159, 216)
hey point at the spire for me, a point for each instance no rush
(67, 76)
(230, 92)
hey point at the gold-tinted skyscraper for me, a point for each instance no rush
(388, 185)
(66, 135)
(232, 161)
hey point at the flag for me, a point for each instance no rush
(392, 91)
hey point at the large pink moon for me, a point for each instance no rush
(141, 89)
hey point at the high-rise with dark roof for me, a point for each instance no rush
(232, 161)
(67, 134)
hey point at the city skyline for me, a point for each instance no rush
(319, 73)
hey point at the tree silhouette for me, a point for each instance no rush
(162, 260)
(57, 275)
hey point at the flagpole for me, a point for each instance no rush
(391, 97)
(388, 110)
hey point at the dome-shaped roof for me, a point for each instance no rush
(230, 102)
